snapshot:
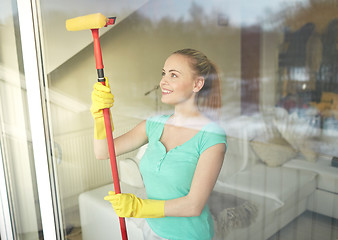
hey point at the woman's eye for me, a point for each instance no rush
(163, 74)
(173, 75)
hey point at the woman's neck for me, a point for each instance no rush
(187, 117)
(186, 111)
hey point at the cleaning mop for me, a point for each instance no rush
(94, 22)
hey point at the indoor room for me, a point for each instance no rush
(279, 110)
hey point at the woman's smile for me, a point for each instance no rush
(166, 91)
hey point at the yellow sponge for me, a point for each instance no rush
(91, 21)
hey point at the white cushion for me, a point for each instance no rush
(275, 152)
(130, 173)
(327, 175)
(275, 183)
(140, 153)
(298, 131)
(129, 169)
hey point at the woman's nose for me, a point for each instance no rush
(163, 81)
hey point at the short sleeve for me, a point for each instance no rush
(212, 135)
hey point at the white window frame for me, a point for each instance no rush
(29, 40)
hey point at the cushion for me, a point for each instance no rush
(140, 153)
(275, 152)
(308, 148)
(270, 146)
(298, 131)
(129, 169)
(130, 173)
(275, 183)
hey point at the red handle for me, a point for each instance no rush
(97, 49)
(107, 122)
(111, 147)
(113, 164)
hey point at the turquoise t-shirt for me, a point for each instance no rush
(168, 175)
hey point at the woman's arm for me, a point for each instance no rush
(206, 174)
(127, 142)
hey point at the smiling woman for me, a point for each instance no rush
(178, 83)
(195, 78)
(185, 151)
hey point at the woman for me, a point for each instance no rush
(185, 150)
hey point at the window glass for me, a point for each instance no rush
(276, 61)
(15, 140)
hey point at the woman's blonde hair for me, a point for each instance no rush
(208, 99)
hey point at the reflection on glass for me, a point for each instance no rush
(15, 139)
(279, 96)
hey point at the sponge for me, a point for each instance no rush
(91, 21)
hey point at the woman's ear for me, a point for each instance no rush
(198, 84)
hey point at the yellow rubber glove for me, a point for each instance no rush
(101, 98)
(128, 205)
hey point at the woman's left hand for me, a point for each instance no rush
(128, 205)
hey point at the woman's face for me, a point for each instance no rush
(178, 81)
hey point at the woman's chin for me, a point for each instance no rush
(165, 100)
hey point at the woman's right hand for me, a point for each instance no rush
(101, 98)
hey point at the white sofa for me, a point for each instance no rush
(279, 194)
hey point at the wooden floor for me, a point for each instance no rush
(308, 226)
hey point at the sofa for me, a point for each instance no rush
(276, 167)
